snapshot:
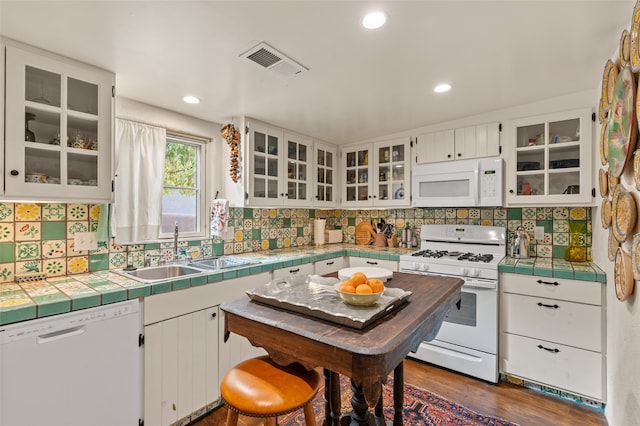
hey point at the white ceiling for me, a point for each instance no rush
(361, 83)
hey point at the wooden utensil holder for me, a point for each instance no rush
(381, 240)
(393, 241)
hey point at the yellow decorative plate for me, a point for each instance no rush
(605, 213)
(623, 275)
(603, 179)
(623, 208)
(625, 47)
(612, 246)
(613, 181)
(636, 168)
(603, 113)
(635, 256)
(622, 122)
(604, 143)
(634, 51)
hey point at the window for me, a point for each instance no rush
(183, 196)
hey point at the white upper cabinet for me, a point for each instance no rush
(550, 159)
(279, 172)
(482, 140)
(377, 174)
(58, 128)
(325, 174)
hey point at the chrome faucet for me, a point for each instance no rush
(175, 242)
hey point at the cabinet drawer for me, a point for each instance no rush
(575, 370)
(569, 323)
(305, 269)
(328, 266)
(553, 288)
(355, 262)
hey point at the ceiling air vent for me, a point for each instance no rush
(273, 60)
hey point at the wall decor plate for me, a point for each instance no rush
(623, 275)
(622, 122)
(605, 213)
(603, 113)
(636, 168)
(635, 256)
(609, 77)
(625, 48)
(623, 213)
(612, 246)
(634, 51)
(613, 181)
(604, 143)
(603, 180)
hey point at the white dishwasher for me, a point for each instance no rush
(81, 368)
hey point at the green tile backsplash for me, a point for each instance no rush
(37, 237)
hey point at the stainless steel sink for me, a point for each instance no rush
(161, 272)
(223, 262)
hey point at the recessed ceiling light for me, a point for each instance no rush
(191, 100)
(441, 88)
(374, 20)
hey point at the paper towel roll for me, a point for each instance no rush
(318, 231)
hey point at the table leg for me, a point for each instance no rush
(360, 413)
(398, 394)
(332, 398)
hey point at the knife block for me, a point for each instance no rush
(381, 240)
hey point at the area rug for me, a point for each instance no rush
(421, 407)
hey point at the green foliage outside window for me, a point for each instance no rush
(180, 169)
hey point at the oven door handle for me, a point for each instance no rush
(483, 285)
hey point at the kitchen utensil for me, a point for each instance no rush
(364, 233)
(623, 275)
(623, 208)
(520, 242)
(622, 123)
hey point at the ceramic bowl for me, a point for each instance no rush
(358, 299)
(35, 178)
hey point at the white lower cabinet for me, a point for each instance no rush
(552, 333)
(185, 352)
(328, 266)
(356, 262)
(298, 270)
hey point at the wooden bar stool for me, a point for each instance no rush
(260, 388)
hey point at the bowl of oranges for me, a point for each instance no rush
(360, 290)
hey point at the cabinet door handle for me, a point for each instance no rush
(14, 173)
(213, 315)
(448, 155)
(511, 191)
(459, 155)
(174, 407)
(548, 282)
(548, 306)
(293, 271)
(554, 350)
(371, 263)
(331, 263)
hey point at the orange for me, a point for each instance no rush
(358, 278)
(364, 289)
(347, 287)
(376, 285)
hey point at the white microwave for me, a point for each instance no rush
(476, 182)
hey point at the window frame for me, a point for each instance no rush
(203, 187)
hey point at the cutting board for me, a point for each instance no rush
(365, 234)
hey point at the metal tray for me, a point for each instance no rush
(320, 300)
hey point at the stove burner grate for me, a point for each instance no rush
(470, 257)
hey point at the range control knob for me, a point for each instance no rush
(416, 266)
(474, 272)
(425, 267)
(464, 272)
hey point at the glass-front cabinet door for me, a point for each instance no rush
(357, 190)
(325, 174)
(265, 148)
(391, 172)
(298, 163)
(58, 129)
(552, 159)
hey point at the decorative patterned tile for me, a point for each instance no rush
(27, 231)
(27, 212)
(77, 212)
(76, 226)
(7, 272)
(27, 251)
(77, 265)
(7, 232)
(6, 212)
(54, 212)
(54, 267)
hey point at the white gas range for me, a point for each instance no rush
(468, 339)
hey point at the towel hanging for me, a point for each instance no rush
(219, 216)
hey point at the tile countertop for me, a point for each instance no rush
(557, 268)
(57, 295)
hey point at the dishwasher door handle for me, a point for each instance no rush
(61, 334)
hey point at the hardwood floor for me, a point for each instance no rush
(504, 400)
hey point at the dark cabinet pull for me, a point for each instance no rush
(213, 315)
(554, 350)
(511, 191)
(548, 306)
(459, 155)
(371, 263)
(448, 155)
(293, 271)
(548, 282)
(331, 263)
(14, 173)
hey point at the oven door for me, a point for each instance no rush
(474, 324)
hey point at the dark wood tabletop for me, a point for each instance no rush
(369, 355)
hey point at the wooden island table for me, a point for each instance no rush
(367, 356)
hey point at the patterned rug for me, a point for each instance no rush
(421, 407)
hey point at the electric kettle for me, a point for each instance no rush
(520, 241)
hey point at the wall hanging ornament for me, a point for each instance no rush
(232, 136)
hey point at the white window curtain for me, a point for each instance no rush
(140, 152)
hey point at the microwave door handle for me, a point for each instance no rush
(476, 177)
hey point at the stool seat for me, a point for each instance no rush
(258, 387)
